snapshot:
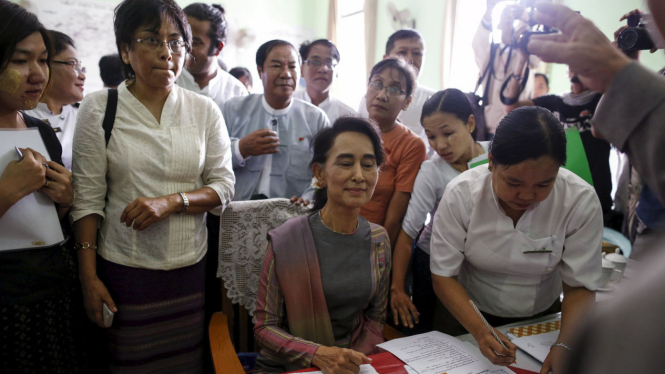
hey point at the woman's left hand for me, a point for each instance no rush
(59, 184)
(144, 211)
(554, 361)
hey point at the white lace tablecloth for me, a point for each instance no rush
(243, 242)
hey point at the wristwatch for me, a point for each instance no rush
(185, 202)
(85, 245)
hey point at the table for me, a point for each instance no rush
(384, 363)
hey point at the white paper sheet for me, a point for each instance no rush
(436, 353)
(364, 369)
(539, 345)
(409, 370)
(33, 221)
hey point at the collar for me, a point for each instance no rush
(43, 108)
(309, 99)
(275, 112)
(581, 99)
(189, 79)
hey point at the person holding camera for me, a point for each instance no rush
(497, 61)
(630, 116)
(574, 108)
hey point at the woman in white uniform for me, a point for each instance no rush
(449, 125)
(511, 235)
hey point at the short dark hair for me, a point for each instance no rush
(306, 46)
(400, 35)
(265, 48)
(16, 24)
(110, 69)
(400, 65)
(239, 72)
(547, 81)
(132, 14)
(213, 13)
(60, 41)
(528, 133)
(325, 139)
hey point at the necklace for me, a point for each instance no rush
(337, 232)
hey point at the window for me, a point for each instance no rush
(351, 82)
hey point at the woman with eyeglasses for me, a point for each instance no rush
(320, 58)
(391, 84)
(55, 106)
(39, 318)
(141, 198)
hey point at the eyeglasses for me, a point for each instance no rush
(317, 64)
(391, 90)
(76, 65)
(153, 44)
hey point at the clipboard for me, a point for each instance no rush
(33, 221)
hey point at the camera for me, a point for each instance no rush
(521, 41)
(635, 37)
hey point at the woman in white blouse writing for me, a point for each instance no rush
(511, 235)
(167, 163)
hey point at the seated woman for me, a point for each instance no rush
(391, 84)
(449, 125)
(55, 107)
(38, 286)
(499, 236)
(307, 314)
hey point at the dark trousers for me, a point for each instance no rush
(424, 297)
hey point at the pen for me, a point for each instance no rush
(489, 327)
(19, 154)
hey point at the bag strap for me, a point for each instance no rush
(487, 74)
(109, 116)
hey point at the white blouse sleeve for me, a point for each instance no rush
(218, 168)
(449, 232)
(89, 162)
(581, 258)
(423, 198)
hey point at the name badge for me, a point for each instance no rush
(57, 130)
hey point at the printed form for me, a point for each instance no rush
(438, 353)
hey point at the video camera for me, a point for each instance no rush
(635, 37)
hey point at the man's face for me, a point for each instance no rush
(201, 46)
(319, 78)
(540, 87)
(412, 50)
(279, 73)
(576, 86)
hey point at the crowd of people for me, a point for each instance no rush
(419, 201)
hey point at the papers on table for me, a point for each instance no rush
(436, 353)
(33, 221)
(364, 369)
(538, 345)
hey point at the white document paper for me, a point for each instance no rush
(33, 221)
(364, 369)
(539, 345)
(436, 353)
(409, 370)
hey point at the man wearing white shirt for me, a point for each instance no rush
(320, 58)
(270, 133)
(410, 45)
(203, 74)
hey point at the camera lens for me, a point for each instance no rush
(627, 39)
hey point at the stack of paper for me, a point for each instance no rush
(436, 353)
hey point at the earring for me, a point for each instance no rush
(125, 61)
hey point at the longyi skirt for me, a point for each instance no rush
(159, 326)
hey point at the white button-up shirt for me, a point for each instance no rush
(188, 150)
(517, 271)
(432, 179)
(63, 124)
(333, 107)
(221, 88)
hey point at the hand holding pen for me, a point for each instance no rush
(494, 345)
